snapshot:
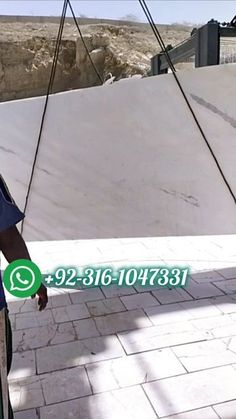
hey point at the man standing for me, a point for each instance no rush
(13, 247)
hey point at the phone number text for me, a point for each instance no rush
(72, 277)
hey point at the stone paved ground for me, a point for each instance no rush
(132, 353)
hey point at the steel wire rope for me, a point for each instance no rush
(84, 43)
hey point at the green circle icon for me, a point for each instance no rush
(22, 278)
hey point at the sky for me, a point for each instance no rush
(163, 11)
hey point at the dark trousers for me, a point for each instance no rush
(9, 361)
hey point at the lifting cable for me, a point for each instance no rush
(170, 63)
(49, 89)
(85, 46)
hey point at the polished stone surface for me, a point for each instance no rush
(125, 160)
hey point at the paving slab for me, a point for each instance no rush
(69, 313)
(226, 410)
(228, 286)
(206, 276)
(26, 414)
(23, 365)
(142, 368)
(59, 300)
(84, 295)
(65, 385)
(200, 308)
(139, 301)
(192, 391)
(22, 306)
(115, 291)
(59, 357)
(203, 290)
(158, 337)
(105, 306)
(228, 273)
(126, 403)
(165, 314)
(34, 319)
(226, 304)
(214, 322)
(86, 328)
(119, 322)
(26, 394)
(38, 337)
(202, 355)
(207, 413)
(167, 296)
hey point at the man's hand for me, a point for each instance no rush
(43, 297)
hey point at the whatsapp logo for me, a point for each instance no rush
(22, 278)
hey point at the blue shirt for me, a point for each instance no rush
(10, 215)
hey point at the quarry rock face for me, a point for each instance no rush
(27, 49)
(25, 67)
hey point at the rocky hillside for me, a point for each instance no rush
(26, 52)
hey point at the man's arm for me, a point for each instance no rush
(13, 247)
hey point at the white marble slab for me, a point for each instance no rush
(125, 160)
